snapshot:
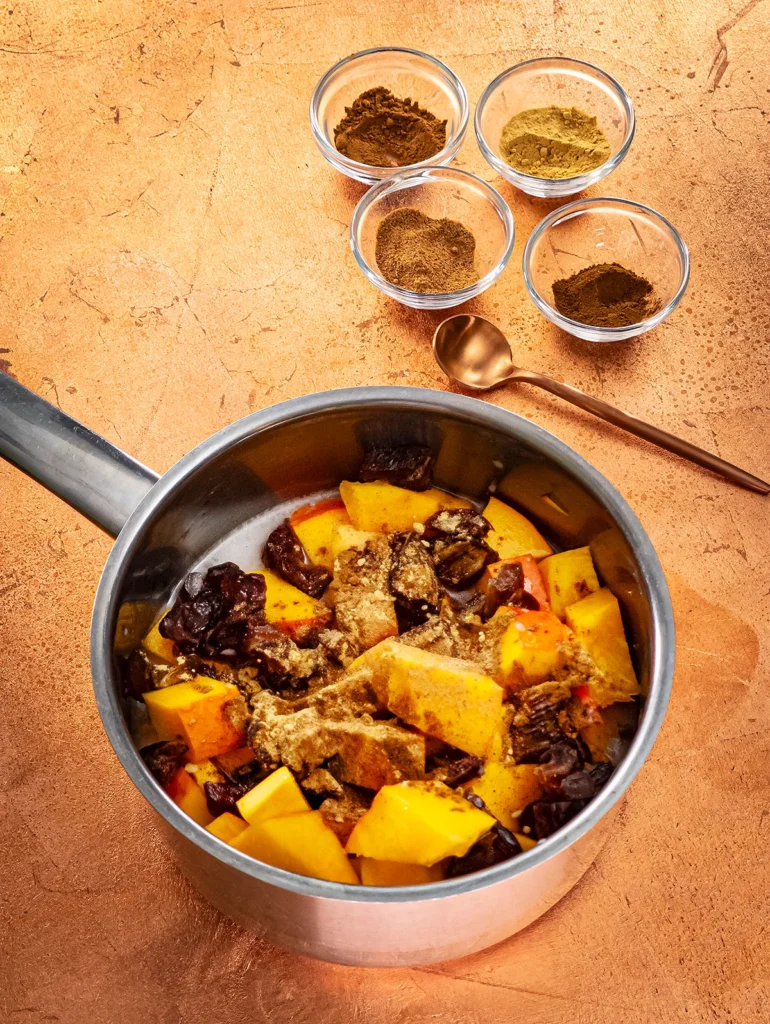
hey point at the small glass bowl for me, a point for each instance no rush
(592, 231)
(560, 82)
(437, 192)
(406, 73)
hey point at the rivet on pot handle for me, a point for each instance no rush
(82, 468)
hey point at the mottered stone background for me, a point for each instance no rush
(173, 255)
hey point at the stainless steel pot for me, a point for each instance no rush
(163, 527)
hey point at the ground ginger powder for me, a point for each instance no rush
(554, 142)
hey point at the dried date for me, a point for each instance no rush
(285, 555)
(410, 466)
(164, 759)
(496, 846)
(459, 550)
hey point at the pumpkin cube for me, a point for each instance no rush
(532, 580)
(512, 534)
(383, 508)
(315, 525)
(292, 611)
(507, 789)
(533, 648)
(207, 714)
(274, 797)
(598, 627)
(227, 826)
(186, 794)
(205, 771)
(301, 843)
(418, 823)
(524, 841)
(158, 647)
(345, 537)
(390, 872)
(442, 696)
(568, 577)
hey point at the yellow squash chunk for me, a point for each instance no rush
(345, 537)
(158, 646)
(288, 608)
(383, 508)
(507, 789)
(186, 794)
(274, 797)
(512, 534)
(390, 872)
(206, 771)
(610, 736)
(444, 697)
(568, 577)
(227, 826)
(207, 714)
(532, 649)
(598, 627)
(525, 842)
(315, 525)
(301, 843)
(418, 823)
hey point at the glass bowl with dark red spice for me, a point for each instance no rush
(432, 238)
(606, 269)
(388, 108)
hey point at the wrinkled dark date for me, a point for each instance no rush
(413, 580)
(507, 588)
(496, 846)
(136, 676)
(455, 770)
(285, 555)
(213, 613)
(544, 817)
(457, 543)
(164, 759)
(223, 796)
(410, 466)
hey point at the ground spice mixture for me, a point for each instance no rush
(554, 142)
(605, 295)
(423, 254)
(382, 130)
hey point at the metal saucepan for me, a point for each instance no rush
(165, 525)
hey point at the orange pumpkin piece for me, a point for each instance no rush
(315, 525)
(532, 649)
(209, 715)
(188, 795)
(227, 826)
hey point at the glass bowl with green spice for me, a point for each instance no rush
(432, 238)
(388, 109)
(606, 269)
(552, 126)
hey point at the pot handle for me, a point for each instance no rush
(82, 468)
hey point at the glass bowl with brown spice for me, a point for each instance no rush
(552, 126)
(432, 238)
(386, 109)
(606, 269)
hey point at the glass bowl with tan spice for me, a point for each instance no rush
(386, 109)
(432, 238)
(606, 269)
(553, 126)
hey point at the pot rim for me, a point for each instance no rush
(475, 412)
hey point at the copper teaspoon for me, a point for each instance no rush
(475, 354)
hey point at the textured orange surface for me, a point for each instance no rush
(173, 255)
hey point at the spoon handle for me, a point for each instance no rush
(662, 438)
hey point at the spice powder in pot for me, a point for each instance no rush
(381, 130)
(424, 254)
